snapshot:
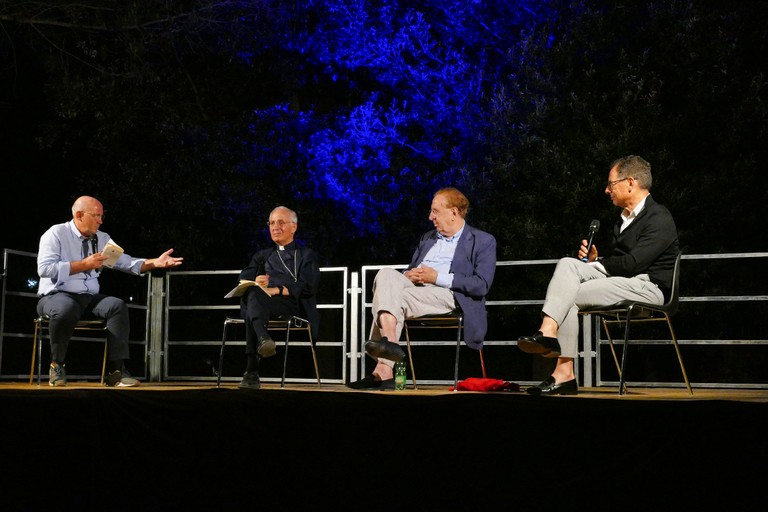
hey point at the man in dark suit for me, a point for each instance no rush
(288, 277)
(639, 267)
(453, 266)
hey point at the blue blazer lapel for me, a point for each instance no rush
(463, 249)
(425, 245)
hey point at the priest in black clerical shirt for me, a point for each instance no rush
(291, 275)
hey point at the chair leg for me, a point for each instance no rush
(624, 353)
(221, 354)
(40, 353)
(679, 356)
(410, 357)
(298, 323)
(456, 364)
(104, 362)
(285, 354)
(34, 353)
(314, 357)
(613, 351)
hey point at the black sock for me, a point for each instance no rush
(113, 366)
(252, 365)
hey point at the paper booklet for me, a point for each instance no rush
(244, 285)
(112, 251)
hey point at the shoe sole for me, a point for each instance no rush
(388, 386)
(267, 349)
(531, 347)
(366, 383)
(393, 353)
(541, 393)
(121, 385)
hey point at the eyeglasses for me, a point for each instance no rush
(279, 223)
(100, 216)
(610, 184)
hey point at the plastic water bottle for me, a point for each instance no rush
(400, 375)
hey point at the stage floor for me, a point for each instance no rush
(610, 393)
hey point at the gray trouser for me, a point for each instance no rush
(396, 294)
(576, 285)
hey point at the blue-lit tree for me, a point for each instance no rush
(391, 106)
(193, 119)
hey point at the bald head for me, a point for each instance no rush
(85, 203)
(88, 214)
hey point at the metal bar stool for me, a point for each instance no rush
(452, 320)
(41, 326)
(628, 312)
(293, 323)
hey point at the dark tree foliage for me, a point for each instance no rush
(192, 120)
(677, 83)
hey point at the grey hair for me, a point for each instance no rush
(294, 217)
(635, 167)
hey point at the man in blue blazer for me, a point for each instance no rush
(452, 267)
(639, 266)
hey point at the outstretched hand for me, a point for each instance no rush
(165, 260)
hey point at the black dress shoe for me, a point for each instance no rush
(387, 385)
(371, 382)
(384, 348)
(539, 344)
(548, 387)
(250, 381)
(266, 347)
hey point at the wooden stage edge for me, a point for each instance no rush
(606, 393)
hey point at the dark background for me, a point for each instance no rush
(192, 120)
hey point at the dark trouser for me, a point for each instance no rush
(256, 308)
(66, 309)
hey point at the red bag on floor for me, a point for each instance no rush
(480, 384)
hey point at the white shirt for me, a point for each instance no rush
(627, 219)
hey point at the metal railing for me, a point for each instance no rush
(216, 309)
(184, 313)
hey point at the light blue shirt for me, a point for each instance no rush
(62, 244)
(440, 257)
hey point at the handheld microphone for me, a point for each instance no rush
(594, 226)
(95, 248)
